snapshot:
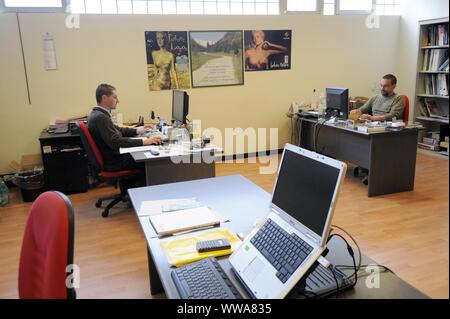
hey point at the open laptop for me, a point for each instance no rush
(275, 256)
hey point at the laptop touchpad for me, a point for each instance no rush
(253, 269)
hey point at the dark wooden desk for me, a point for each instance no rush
(166, 169)
(389, 156)
(242, 202)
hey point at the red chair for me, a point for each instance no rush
(121, 178)
(406, 111)
(47, 249)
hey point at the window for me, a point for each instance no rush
(389, 7)
(202, 7)
(33, 5)
(302, 5)
(355, 6)
(329, 7)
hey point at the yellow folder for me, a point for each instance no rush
(182, 251)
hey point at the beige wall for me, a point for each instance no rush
(416, 10)
(327, 51)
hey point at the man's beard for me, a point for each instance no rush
(384, 93)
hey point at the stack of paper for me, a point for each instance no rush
(184, 220)
(156, 207)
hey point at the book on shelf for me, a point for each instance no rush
(423, 109)
(444, 66)
(429, 147)
(434, 59)
(430, 141)
(436, 34)
(436, 84)
(434, 109)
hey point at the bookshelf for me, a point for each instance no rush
(431, 106)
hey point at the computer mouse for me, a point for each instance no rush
(154, 152)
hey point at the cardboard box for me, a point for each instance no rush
(27, 162)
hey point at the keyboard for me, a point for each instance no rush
(163, 137)
(286, 252)
(204, 279)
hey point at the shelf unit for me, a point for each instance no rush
(424, 76)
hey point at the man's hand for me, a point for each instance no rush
(154, 140)
(356, 111)
(365, 117)
(143, 129)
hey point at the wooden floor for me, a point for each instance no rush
(407, 232)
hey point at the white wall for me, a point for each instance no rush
(406, 59)
(326, 51)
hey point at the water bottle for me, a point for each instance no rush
(3, 193)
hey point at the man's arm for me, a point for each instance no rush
(127, 131)
(367, 108)
(112, 137)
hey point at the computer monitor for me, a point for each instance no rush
(180, 106)
(337, 102)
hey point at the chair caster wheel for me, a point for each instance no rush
(105, 213)
(98, 204)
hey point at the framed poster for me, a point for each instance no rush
(167, 60)
(267, 50)
(216, 58)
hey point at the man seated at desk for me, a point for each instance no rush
(110, 137)
(384, 106)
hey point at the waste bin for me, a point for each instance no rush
(31, 184)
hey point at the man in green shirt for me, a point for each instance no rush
(384, 106)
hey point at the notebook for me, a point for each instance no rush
(184, 220)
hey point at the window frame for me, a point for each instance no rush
(4, 8)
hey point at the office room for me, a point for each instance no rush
(304, 143)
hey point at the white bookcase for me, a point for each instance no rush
(430, 94)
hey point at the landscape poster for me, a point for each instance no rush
(216, 58)
(267, 50)
(167, 60)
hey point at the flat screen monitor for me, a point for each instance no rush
(337, 102)
(180, 106)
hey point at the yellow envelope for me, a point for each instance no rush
(183, 251)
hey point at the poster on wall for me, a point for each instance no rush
(167, 60)
(267, 50)
(216, 58)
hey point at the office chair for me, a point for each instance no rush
(406, 111)
(405, 118)
(122, 179)
(47, 249)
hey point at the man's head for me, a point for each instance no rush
(106, 96)
(388, 84)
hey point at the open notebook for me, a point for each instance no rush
(184, 220)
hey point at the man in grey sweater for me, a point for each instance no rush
(384, 106)
(110, 137)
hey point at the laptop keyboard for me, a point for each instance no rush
(203, 279)
(286, 252)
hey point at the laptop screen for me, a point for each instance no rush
(305, 189)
